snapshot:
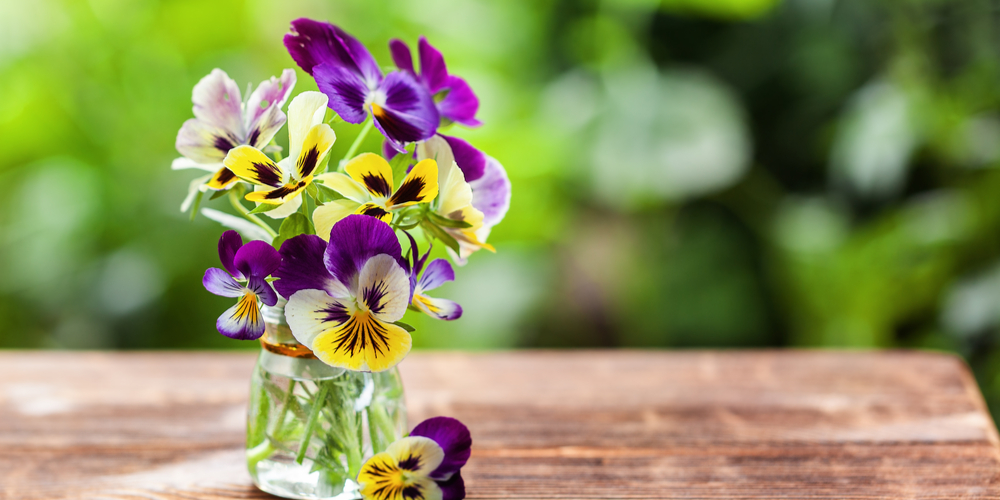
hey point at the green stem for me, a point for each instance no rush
(357, 142)
(311, 423)
(249, 216)
(277, 424)
(258, 453)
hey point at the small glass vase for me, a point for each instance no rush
(311, 426)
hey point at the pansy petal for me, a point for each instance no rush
(289, 207)
(362, 343)
(311, 313)
(454, 439)
(254, 166)
(260, 286)
(419, 455)
(491, 193)
(203, 142)
(315, 146)
(346, 186)
(438, 272)
(401, 55)
(374, 210)
(419, 186)
(270, 94)
(328, 214)
(279, 195)
(454, 488)
(312, 43)
(346, 90)
(384, 288)
(261, 133)
(307, 110)
(433, 70)
(229, 243)
(382, 479)
(461, 103)
(408, 113)
(242, 321)
(257, 259)
(373, 172)
(217, 102)
(354, 240)
(222, 179)
(221, 283)
(302, 268)
(443, 309)
(471, 160)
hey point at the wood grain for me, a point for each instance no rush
(579, 424)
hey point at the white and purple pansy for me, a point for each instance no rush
(345, 295)
(472, 187)
(402, 108)
(245, 276)
(223, 121)
(453, 97)
(437, 273)
(426, 465)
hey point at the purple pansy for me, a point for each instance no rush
(454, 99)
(437, 273)
(345, 295)
(426, 464)
(403, 110)
(245, 276)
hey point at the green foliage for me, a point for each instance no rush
(292, 226)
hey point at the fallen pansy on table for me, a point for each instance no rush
(325, 292)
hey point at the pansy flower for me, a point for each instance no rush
(223, 121)
(367, 189)
(403, 110)
(437, 273)
(245, 276)
(454, 99)
(345, 295)
(422, 466)
(309, 140)
(478, 195)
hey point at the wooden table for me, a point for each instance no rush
(578, 424)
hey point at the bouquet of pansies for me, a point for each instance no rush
(325, 291)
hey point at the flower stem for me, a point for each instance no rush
(234, 200)
(357, 142)
(311, 423)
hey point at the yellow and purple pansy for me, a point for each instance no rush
(224, 121)
(453, 97)
(402, 109)
(345, 295)
(426, 465)
(245, 276)
(281, 183)
(368, 190)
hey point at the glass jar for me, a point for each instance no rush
(311, 426)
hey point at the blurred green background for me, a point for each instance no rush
(686, 173)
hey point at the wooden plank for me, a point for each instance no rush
(581, 424)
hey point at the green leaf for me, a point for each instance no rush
(196, 203)
(264, 207)
(404, 326)
(439, 234)
(326, 195)
(312, 190)
(219, 194)
(292, 226)
(399, 164)
(446, 222)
